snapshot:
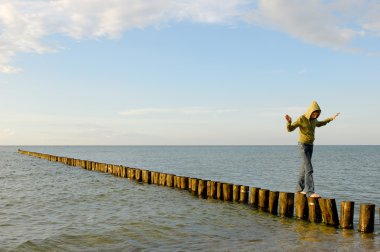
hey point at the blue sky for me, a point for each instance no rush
(187, 72)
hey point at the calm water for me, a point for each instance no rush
(47, 206)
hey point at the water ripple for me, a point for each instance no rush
(52, 207)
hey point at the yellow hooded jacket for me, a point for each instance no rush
(307, 126)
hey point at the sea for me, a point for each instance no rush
(49, 206)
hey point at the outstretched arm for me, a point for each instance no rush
(326, 121)
(334, 116)
(289, 125)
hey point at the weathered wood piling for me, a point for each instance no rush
(162, 179)
(219, 190)
(146, 177)
(273, 202)
(243, 197)
(302, 210)
(194, 186)
(315, 210)
(254, 196)
(155, 177)
(184, 183)
(211, 189)
(202, 188)
(235, 193)
(329, 211)
(227, 192)
(263, 199)
(347, 214)
(367, 218)
(286, 208)
(177, 182)
(138, 175)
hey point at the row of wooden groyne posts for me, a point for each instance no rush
(283, 204)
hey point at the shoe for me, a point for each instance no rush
(315, 195)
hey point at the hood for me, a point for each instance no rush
(313, 107)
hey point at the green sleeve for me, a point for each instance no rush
(324, 122)
(292, 126)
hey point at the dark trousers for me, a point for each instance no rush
(305, 179)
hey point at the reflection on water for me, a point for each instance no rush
(51, 207)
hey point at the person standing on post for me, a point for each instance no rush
(306, 124)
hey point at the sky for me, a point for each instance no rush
(187, 72)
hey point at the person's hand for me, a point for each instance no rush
(288, 118)
(334, 116)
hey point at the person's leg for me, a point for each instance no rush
(309, 181)
(301, 178)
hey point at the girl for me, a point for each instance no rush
(306, 124)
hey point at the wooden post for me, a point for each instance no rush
(263, 199)
(347, 214)
(118, 170)
(254, 196)
(367, 218)
(146, 177)
(123, 170)
(202, 188)
(235, 193)
(286, 208)
(178, 181)
(219, 190)
(184, 183)
(227, 192)
(131, 173)
(162, 179)
(138, 175)
(155, 177)
(175, 181)
(329, 211)
(302, 211)
(273, 202)
(101, 167)
(314, 210)
(211, 189)
(109, 166)
(169, 180)
(83, 165)
(98, 166)
(189, 182)
(194, 186)
(244, 194)
(93, 165)
(152, 177)
(114, 168)
(128, 171)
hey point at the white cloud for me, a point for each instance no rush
(25, 26)
(315, 21)
(371, 21)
